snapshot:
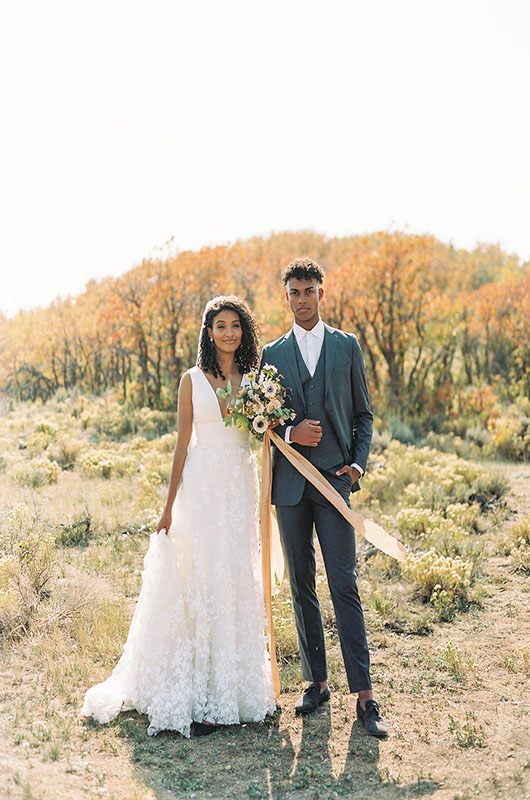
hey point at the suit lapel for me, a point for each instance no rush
(330, 341)
(291, 372)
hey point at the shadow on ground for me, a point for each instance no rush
(283, 758)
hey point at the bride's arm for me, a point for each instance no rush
(185, 421)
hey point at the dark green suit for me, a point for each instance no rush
(337, 396)
(346, 405)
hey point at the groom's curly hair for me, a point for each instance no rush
(303, 269)
(247, 354)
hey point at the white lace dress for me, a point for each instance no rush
(196, 647)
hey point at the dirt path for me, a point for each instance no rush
(457, 702)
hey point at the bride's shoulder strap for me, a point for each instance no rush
(194, 373)
(191, 374)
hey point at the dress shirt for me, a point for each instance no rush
(310, 346)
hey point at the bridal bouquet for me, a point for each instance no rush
(259, 404)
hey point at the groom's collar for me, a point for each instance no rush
(318, 330)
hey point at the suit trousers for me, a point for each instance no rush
(337, 543)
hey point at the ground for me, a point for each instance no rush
(457, 703)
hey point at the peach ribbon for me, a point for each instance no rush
(371, 531)
(267, 522)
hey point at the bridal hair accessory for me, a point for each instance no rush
(213, 302)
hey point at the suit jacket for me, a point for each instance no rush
(346, 403)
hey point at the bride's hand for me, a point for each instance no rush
(164, 521)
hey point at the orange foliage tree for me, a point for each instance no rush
(431, 319)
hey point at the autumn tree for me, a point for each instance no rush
(431, 319)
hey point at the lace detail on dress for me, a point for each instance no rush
(196, 647)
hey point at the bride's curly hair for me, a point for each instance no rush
(247, 354)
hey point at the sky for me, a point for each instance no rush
(129, 124)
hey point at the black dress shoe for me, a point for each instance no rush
(311, 699)
(202, 729)
(372, 720)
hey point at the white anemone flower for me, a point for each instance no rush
(260, 424)
(269, 388)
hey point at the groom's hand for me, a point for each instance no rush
(308, 432)
(352, 472)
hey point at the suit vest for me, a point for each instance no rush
(328, 453)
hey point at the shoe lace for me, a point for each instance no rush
(373, 708)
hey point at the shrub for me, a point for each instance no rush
(516, 543)
(487, 490)
(152, 423)
(75, 534)
(115, 423)
(458, 518)
(36, 558)
(149, 482)
(14, 611)
(380, 441)
(26, 569)
(31, 600)
(421, 476)
(119, 422)
(65, 450)
(37, 442)
(400, 430)
(38, 472)
(466, 516)
(447, 443)
(433, 530)
(138, 444)
(167, 442)
(102, 463)
(440, 580)
(479, 436)
(415, 522)
(46, 427)
(510, 432)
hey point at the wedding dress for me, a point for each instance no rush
(196, 647)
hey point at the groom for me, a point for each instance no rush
(324, 370)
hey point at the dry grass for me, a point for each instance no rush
(454, 693)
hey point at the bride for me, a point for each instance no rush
(196, 655)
